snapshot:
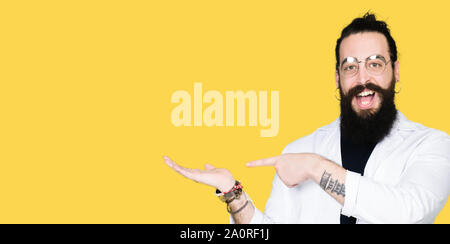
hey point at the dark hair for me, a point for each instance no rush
(367, 23)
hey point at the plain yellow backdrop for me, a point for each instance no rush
(85, 90)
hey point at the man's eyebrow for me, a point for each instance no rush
(346, 59)
(380, 57)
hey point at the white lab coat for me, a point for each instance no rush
(406, 180)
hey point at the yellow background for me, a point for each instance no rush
(85, 91)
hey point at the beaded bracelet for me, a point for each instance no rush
(230, 195)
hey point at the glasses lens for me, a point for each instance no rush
(349, 68)
(375, 66)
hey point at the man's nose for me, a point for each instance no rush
(363, 76)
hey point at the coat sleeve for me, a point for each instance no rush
(277, 209)
(418, 197)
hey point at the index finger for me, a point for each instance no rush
(263, 162)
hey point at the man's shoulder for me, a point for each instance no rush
(308, 142)
(417, 130)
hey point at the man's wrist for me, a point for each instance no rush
(317, 168)
(227, 186)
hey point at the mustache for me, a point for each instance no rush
(369, 126)
(359, 88)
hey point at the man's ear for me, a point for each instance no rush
(397, 71)
(336, 76)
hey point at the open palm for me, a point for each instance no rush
(219, 178)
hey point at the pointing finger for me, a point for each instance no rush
(263, 162)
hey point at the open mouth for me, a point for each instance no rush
(365, 98)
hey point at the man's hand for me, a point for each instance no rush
(295, 168)
(215, 177)
(292, 168)
(220, 179)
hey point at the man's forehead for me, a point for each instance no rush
(363, 45)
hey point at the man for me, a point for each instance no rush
(371, 165)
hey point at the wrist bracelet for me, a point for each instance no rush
(237, 185)
(228, 201)
(239, 210)
(230, 195)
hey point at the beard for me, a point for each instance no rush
(369, 126)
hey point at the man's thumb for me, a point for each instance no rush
(209, 167)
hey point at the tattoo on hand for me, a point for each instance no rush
(331, 185)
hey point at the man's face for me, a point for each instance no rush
(367, 101)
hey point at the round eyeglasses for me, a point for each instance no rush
(375, 65)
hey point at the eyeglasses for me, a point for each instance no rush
(375, 65)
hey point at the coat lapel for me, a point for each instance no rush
(385, 147)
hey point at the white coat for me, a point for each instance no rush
(406, 180)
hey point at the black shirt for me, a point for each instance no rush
(354, 158)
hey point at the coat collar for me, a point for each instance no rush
(383, 148)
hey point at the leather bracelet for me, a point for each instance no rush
(230, 200)
(239, 210)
